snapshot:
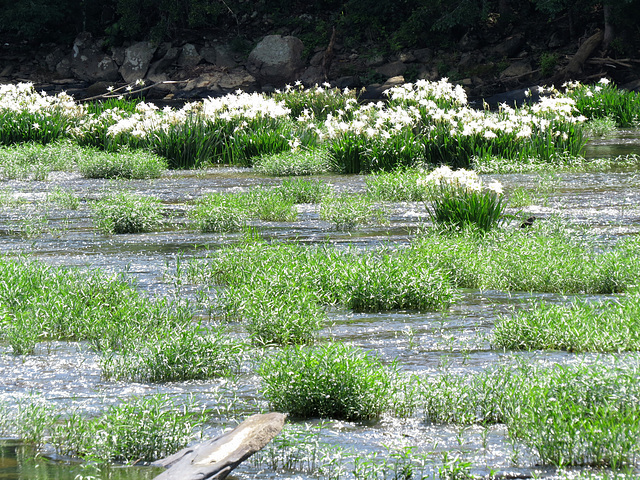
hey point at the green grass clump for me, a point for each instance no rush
(294, 163)
(399, 185)
(127, 213)
(329, 381)
(381, 279)
(570, 415)
(600, 127)
(219, 212)
(580, 327)
(546, 257)
(42, 303)
(261, 203)
(303, 190)
(131, 164)
(190, 353)
(33, 161)
(277, 314)
(348, 211)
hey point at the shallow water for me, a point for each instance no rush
(68, 373)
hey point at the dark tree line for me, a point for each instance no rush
(397, 24)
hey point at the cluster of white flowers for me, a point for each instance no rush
(243, 105)
(465, 180)
(22, 97)
(424, 91)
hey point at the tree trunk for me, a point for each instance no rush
(609, 32)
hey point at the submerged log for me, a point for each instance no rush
(218, 457)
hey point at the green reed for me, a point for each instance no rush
(122, 164)
(191, 352)
(42, 303)
(570, 415)
(603, 100)
(577, 327)
(400, 185)
(307, 161)
(303, 190)
(125, 212)
(33, 161)
(546, 257)
(329, 381)
(347, 211)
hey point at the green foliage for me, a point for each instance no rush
(303, 191)
(127, 213)
(543, 258)
(123, 164)
(293, 163)
(219, 212)
(347, 211)
(606, 100)
(191, 353)
(41, 303)
(580, 327)
(330, 381)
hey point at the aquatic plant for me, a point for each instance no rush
(605, 100)
(303, 190)
(126, 212)
(400, 185)
(457, 199)
(219, 212)
(189, 353)
(33, 161)
(544, 258)
(261, 203)
(347, 211)
(570, 415)
(123, 164)
(296, 162)
(137, 429)
(316, 102)
(42, 303)
(329, 381)
(577, 327)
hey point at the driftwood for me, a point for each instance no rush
(218, 457)
(581, 56)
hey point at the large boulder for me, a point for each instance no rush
(189, 56)
(137, 59)
(276, 59)
(90, 63)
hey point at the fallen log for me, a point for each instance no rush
(218, 457)
(584, 52)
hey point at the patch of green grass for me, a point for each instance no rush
(546, 257)
(131, 164)
(578, 327)
(263, 204)
(570, 415)
(219, 212)
(190, 353)
(33, 161)
(303, 190)
(42, 303)
(348, 211)
(299, 162)
(64, 198)
(126, 212)
(600, 127)
(399, 185)
(377, 280)
(329, 381)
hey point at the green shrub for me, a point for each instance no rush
(330, 381)
(127, 213)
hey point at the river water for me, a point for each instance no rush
(68, 375)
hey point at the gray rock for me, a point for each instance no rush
(54, 58)
(89, 63)
(423, 55)
(168, 61)
(208, 54)
(137, 59)
(392, 69)
(276, 59)
(189, 56)
(509, 47)
(517, 69)
(218, 457)
(224, 57)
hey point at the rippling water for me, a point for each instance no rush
(68, 374)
